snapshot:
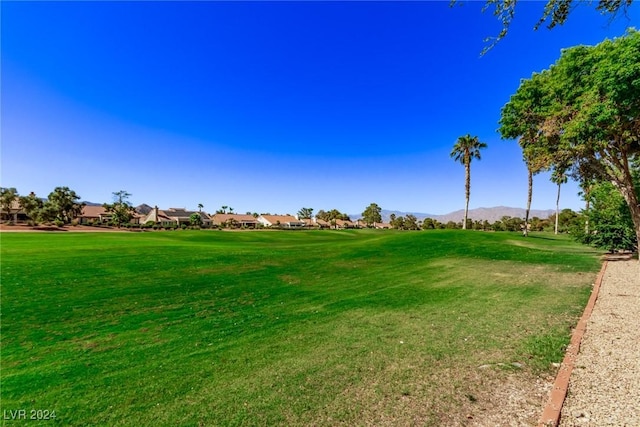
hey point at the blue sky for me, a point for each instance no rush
(272, 106)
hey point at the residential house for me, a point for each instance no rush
(341, 223)
(315, 223)
(234, 220)
(94, 214)
(98, 214)
(282, 221)
(173, 217)
(379, 225)
(16, 214)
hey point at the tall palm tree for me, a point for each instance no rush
(200, 206)
(558, 176)
(464, 150)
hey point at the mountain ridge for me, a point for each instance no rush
(491, 214)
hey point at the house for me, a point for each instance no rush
(378, 225)
(341, 223)
(17, 214)
(183, 216)
(234, 220)
(322, 223)
(315, 223)
(157, 216)
(94, 214)
(282, 221)
(98, 214)
(173, 217)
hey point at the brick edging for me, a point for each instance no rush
(551, 415)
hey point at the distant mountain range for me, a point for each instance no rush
(478, 214)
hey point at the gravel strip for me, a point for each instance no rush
(604, 387)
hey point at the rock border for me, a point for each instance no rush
(551, 414)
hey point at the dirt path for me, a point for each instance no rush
(604, 387)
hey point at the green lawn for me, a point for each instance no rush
(279, 328)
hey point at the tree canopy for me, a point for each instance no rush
(555, 12)
(305, 213)
(7, 196)
(63, 205)
(121, 210)
(583, 115)
(372, 214)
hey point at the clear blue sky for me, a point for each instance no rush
(272, 106)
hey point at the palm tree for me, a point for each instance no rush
(559, 177)
(464, 150)
(200, 206)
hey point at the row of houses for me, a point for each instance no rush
(175, 217)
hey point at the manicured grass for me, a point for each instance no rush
(279, 328)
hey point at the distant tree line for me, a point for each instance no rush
(606, 221)
(60, 207)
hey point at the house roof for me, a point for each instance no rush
(321, 222)
(93, 211)
(241, 218)
(183, 214)
(97, 211)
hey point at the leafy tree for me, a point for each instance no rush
(585, 113)
(411, 222)
(464, 150)
(429, 224)
(610, 221)
(555, 13)
(62, 205)
(121, 210)
(31, 205)
(511, 223)
(323, 215)
(331, 216)
(195, 219)
(7, 196)
(305, 213)
(372, 214)
(397, 222)
(451, 225)
(538, 224)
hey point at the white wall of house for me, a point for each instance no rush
(262, 220)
